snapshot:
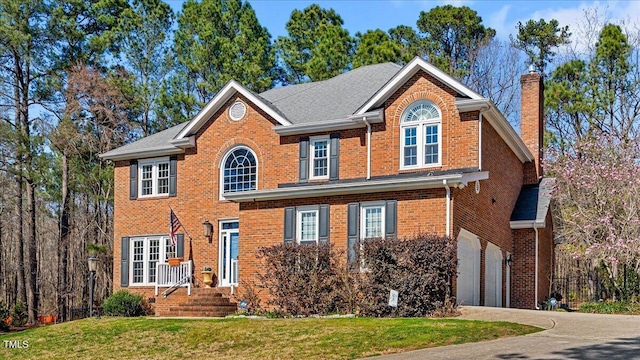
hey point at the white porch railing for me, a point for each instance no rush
(174, 276)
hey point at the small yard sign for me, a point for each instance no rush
(393, 298)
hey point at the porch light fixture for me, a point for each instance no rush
(509, 260)
(208, 229)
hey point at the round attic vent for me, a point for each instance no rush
(237, 111)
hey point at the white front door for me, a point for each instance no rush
(493, 276)
(228, 250)
(468, 281)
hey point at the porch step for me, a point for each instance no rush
(205, 302)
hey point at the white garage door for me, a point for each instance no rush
(493, 276)
(468, 282)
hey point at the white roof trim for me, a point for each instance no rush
(405, 74)
(143, 154)
(352, 122)
(527, 224)
(221, 97)
(364, 186)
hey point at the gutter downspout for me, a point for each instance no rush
(480, 142)
(364, 119)
(536, 271)
(448, 211)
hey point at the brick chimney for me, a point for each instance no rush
(532, 123)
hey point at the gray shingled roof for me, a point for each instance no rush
(533, 201)
(331, 99)
(155, 142)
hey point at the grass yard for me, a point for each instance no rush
(238, 338)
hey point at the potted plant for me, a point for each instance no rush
(207, 276)
(173, 260)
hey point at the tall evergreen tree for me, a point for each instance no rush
(538, 39)
(453, 36)
(220, 40)
(374, 47)
(146, 47)
(317, 47)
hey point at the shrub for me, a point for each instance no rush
(611, 307)
(19, 314)
(419, 268)
(124, 303)
(4, 315)
(306, 280)
(300, 279)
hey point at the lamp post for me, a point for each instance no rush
(93, 265)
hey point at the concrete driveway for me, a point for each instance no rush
(567, 336)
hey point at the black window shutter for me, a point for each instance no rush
(390, 220)
(180, 245)
(133, 179)
(124, 262)
(289, 224)
(304, 159)
(334, 163)
(173, 170)
(353, 231)
(323, 222)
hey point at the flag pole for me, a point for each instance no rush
(182, 225)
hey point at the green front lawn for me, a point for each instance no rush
(153, 338)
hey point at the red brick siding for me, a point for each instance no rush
(488, 213)
(532, 123)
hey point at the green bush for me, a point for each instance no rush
(19, 314)
(611, 307)
(124, 303)
(4, 314)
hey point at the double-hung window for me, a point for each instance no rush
(154, 177)
(420, 133)
(319, 158)
(146, 252)
(307, 226)
(372, 217)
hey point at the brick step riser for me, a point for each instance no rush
(203, 308)
(206, 302)
(196, 313)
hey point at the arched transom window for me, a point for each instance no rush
(420, 136)
(239, 170)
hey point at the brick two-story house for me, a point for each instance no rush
(382, 150)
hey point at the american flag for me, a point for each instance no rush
(174, 225)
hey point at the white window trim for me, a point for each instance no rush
(154, 176)
(420, 134)
(162, 256)
(303, 210)
(363, 222)
(221, 169)
(312, 142)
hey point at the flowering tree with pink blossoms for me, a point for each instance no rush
(597, 203)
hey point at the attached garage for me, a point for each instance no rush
(468, 281)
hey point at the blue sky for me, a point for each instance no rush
(361, 15)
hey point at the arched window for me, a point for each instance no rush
(239, 170)
(420, 136)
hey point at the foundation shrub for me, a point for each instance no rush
(124, 303)
(420, 268)
(304, 280)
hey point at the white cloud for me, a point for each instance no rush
(498, 21)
